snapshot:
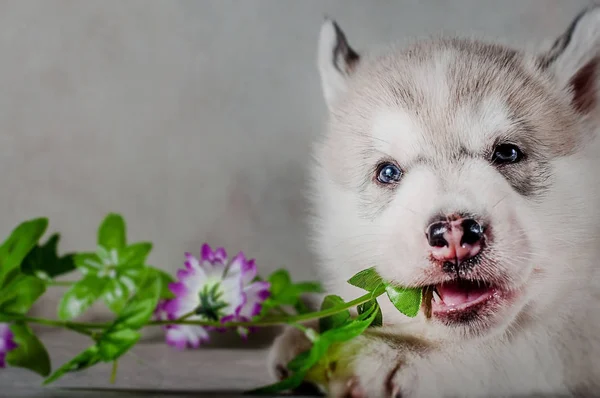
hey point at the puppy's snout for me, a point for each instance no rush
(456, 240)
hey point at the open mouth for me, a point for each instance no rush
(461, 300)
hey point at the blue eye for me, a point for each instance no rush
(388, 173)
(506, 153)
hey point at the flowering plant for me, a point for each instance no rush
(213, 292)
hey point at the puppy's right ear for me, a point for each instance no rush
(574, 59)
(336, 61)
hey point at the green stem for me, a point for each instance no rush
(82, 327)
(299, 327)
(281, 311)
(186, 316)
(80, 330)
(74, 326)
(278, 320)
(64, 324)
(113, 373)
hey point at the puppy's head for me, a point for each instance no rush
(459, 166)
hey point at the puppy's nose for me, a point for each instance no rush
(436, 234)
(456, 240)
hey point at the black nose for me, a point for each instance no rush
(435, 234)
(472, 232)
(466, 231)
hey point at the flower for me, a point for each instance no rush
(211, 289)
(7, 343)
(161, 312)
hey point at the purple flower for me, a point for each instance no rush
(7, 343)
(161, 312)
(211, 289)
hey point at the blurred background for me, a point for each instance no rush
(193, 119)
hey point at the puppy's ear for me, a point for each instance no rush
(336, 61)
(575, 59)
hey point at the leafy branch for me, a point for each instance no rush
(117, 274)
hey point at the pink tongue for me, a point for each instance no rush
(456, 294)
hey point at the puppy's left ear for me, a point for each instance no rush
(575, 59)
(336, 61)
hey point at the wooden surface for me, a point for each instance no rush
(150, 369)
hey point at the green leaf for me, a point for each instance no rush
(287, 297)
(352, 329)
(141, 306)
(378, 321)
(308, 287)
(279, 281)
(135, 254)
(121, 335)
(304, 361)
(111, 233)
(43, 261)
(407, 301)
(115, 295)
(81, 296)
(298, 362)
(8, 317)
(367, 279)
(87, 358)
(19, 243)
(120, 284)
(301, 307)
(288, 384)
(30, 352)
(116, 342)
(336, 320)
(165, 280)
(280, 291)
(11, 277)
(300, 365)
(20, 293)
(131, 275)
(284, 292)
(88, 263)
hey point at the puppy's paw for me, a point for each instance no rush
(403, 382)
(381, 368)
(369, 372)
(286, 346)
(346, 388)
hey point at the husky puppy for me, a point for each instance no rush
(471, 169)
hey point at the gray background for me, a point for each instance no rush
(193, 119)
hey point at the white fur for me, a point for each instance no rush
(395, 132)
(546, 247)
(478, 124)
(332, 81)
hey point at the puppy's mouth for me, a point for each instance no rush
(461, 300)
(460, 295)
